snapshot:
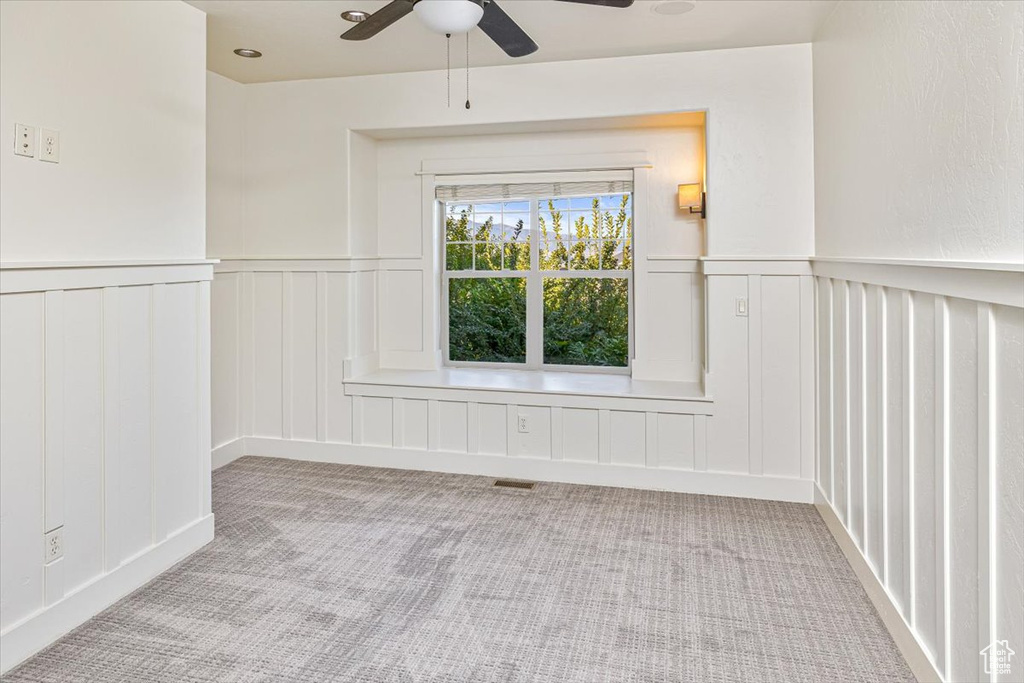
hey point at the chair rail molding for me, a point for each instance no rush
(44, 276)
(997, 283)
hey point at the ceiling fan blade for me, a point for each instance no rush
(379, 20)
(505, 32)
(604, 3)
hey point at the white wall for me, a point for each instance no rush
(122, 82)
(759, 164)
(225, 165)
(104, 367)
(919, 131)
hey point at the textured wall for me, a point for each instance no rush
(918, 131)
(125, 84)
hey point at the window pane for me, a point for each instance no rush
(556, 257)
(554, 235)
(617, 225)
(614, 202)
(487, 320)
(586, 321)
(615, 255)
(488, 208)
(488, 256)
(518, 205)
(456, 226)
(581, 202)
(582, 225)
(517, 255)
(486, 226)
(459, 257)
(554, 222)
(516, 226)
(585, 255)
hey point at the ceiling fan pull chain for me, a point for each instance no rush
(467, 69)
(448, 66)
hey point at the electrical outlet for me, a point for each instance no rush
(54, 545)
(24, 140)
(741, 307)
(49, 145)
(524, 424)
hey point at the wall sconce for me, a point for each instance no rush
(692, 197)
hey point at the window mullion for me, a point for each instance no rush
(534, 295)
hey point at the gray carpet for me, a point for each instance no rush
(338, 573)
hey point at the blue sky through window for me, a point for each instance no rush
(506, 215)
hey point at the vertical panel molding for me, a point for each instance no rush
(321, 356)
(909, 453)
(287, 355)
(987, 473)
(942, 502)
(755, 396)
(53, 458)
(111, 428)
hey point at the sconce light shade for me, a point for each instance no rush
(692, 198)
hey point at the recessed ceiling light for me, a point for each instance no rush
(673, 7)
(355, 15)
(246, 52)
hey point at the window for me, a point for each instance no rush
(542, 280)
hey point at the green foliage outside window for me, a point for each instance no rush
(586, 319)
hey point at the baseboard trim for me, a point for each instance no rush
(27, 637)
(537, 469)
(911, 649)
(226, 453)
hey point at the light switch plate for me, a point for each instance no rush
(24, 140)
(741, 307)
(49, 145)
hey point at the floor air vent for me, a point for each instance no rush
(512, 484)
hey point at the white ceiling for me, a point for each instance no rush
(299, 38)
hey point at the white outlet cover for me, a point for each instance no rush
(53, 545)
(24, 140)
(524, 425)
(49, 145)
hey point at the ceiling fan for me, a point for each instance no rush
(460, 16)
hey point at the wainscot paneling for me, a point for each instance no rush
(921, 446)
(760, 367)
(104, 436)
(304, 326)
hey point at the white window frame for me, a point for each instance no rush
(534, 296)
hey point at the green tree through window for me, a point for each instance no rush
(583, 275)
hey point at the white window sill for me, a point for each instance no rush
(540, 387)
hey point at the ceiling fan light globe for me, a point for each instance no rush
(449, 16)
